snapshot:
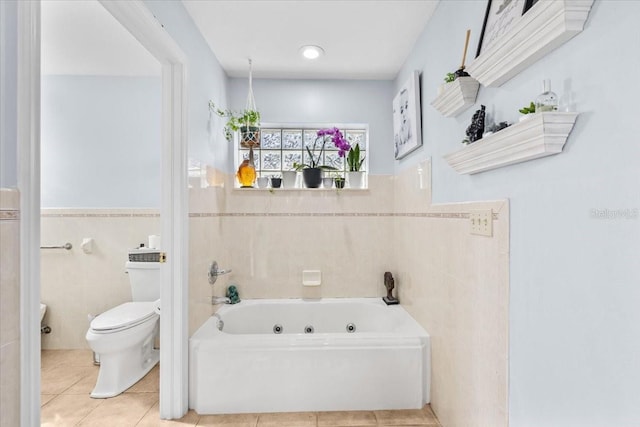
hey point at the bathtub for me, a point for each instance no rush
(309, 355)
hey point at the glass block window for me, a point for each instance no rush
(282, 146)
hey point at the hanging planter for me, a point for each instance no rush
(249, 136)
(247, 121)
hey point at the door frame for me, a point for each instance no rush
(140, 22)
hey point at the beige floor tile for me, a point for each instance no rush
(230, 420)
(150, 383)
(124, 410)
(288, 419)
(45, 398)
(86, 384)
(152, 419)
(54, 358)
(406, 417)
(346, 418)
(67, 410)
(58, 379)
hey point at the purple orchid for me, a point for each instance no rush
(337, 138)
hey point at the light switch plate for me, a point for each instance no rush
(481, 222)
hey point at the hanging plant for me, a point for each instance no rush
(247, 121)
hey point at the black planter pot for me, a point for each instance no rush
(339, 182)
(312, 177)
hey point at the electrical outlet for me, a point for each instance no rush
(481, 222)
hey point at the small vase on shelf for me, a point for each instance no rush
(547, 100)
(247, 171)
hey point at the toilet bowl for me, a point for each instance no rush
(124, 338)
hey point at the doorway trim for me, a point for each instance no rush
(140, 22)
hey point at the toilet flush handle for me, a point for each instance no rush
(214, 272)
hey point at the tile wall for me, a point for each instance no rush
(75, 284)
(268, 238)
(9, 307)
(454, 283)
(457, 286)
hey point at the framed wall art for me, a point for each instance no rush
(407, 129)
(499, 18)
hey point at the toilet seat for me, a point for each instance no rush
(122, 317)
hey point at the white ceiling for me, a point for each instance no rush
(362, 39)
(82, 38)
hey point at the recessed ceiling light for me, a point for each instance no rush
(311, 52)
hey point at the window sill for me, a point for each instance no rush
(292, 190)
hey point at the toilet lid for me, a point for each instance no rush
(124, 315)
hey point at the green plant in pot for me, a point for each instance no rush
(354, 162)
(247, 122)
(527, 111)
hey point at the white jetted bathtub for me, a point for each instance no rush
(308, 355)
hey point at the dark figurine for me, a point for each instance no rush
(389, 283)
(460, 72)
(232, 294)
(476, 128)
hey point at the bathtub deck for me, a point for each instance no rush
(68, 377)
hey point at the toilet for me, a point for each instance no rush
(123, 337)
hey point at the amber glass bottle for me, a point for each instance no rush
(247, 171)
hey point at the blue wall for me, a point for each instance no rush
(206, 80)
(100, 141)
(327, 101)
(101, 135)
(8, 94)
(574, 296)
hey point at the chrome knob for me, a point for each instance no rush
(214, 272)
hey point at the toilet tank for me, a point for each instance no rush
(144, 278)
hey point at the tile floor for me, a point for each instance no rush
(68, 376)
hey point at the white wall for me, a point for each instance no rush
(8, 93)
(206, 80)
(574, 294)
(100, 142)
(327, 101)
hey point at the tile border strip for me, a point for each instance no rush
(100, 215)
(441, 215)
(9, 215)
(444, 215)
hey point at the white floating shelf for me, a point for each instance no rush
(547, 25)
(542, 135)
(457, 96)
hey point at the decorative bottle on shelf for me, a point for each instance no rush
(247, 171)
(547, 100)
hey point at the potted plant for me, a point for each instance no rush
(354, 162)
(527, 111)
(339, 181)
(312, 170)
(247, 122)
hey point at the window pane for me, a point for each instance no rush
(292, 139)
(256, 157)
(271, 160)
(289, 158)
(310, 138)
(270, 138)
(356, 137)
(332, 159)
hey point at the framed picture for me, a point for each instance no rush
(407, 130)
(499, 18)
